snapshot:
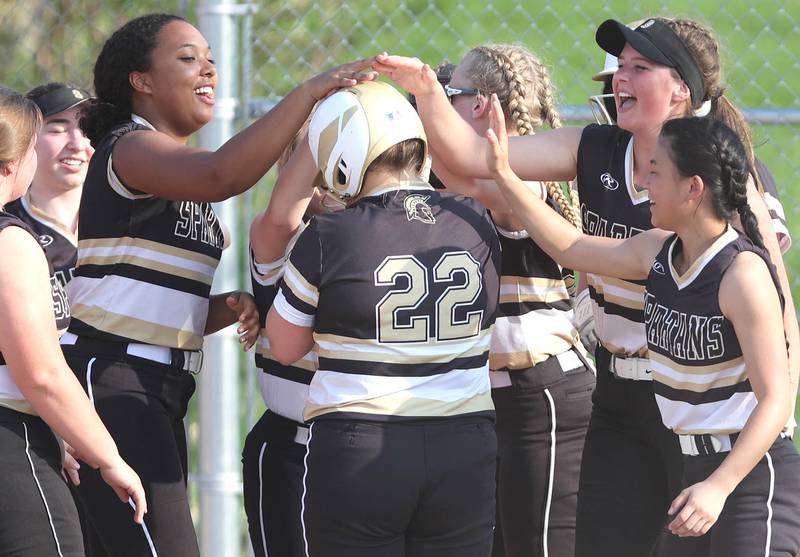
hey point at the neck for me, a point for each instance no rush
(147, 111)
(60, 205)
(644, 144)
(696, 237)
(379, 178)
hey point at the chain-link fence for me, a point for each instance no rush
(276, 45)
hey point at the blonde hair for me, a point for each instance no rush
(20, 120)
(522, 85)
(704, 48)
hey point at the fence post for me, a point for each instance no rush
(219, 478)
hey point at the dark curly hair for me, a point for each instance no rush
(127, 50)
(708, 148)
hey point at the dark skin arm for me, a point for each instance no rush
(157, 164)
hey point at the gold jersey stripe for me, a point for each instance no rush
(145, 263)
(666, 364)
(399, 404)
(536, 282)
(602, 282)
(300, 287)
(136, 329)
(18, 405)
(127, 241)
(718, 382)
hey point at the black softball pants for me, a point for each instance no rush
(542, 420)
(400, 489)
(37, 513)
(142, 404)
(272, 463)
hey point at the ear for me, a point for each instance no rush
(696, 188)
(680, 93)
(480, 107)
(140, 82)
(8, 169)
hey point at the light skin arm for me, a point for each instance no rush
(288, 342)
(274, 227)
(547, 156)
(629, 258)
(155, 163)
(790, 324)
(29, 343)
(756, 317)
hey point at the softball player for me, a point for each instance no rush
(717, 348)
(50, 207)
(399, 292)
(149, 243)
(541, 382)
(37, 389)
(668, 68)
(275, 448)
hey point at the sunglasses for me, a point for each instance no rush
(456, 91)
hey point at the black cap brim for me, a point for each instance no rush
(59, 99)
(612, 36)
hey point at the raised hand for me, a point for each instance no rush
(345, 75)
(412, 74)
(497, 150)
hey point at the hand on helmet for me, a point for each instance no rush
(411, 74)
(345, 75)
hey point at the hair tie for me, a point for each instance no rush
(742, 209)
(703, 110)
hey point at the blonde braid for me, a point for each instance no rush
(522, 85)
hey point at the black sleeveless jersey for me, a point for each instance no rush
(60, 245)
(699, 375)
(145, 264)
(10, 395)
(612, 207)
(401, 290)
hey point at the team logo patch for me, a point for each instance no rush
(417, 208)
(77, 94)
(608, 181)
(45, 240)
(659, 268)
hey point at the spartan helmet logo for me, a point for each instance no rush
(417, 209)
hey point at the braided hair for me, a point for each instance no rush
(709, 149)
(522, 85)
(127, 50)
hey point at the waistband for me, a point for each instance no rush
(185, 360)
(544, 373)
(708, 444)
(624, 367)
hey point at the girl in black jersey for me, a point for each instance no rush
(541, 381)
(272, 459)
(37, 389)
(149, 243)
(714, 330)
(668, 68)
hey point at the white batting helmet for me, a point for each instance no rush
(354, 126)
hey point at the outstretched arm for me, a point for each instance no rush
(630, 258)
(156, 164)
(547, 156)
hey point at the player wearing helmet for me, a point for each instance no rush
(399, 293)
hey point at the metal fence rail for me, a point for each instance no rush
(266, 47)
